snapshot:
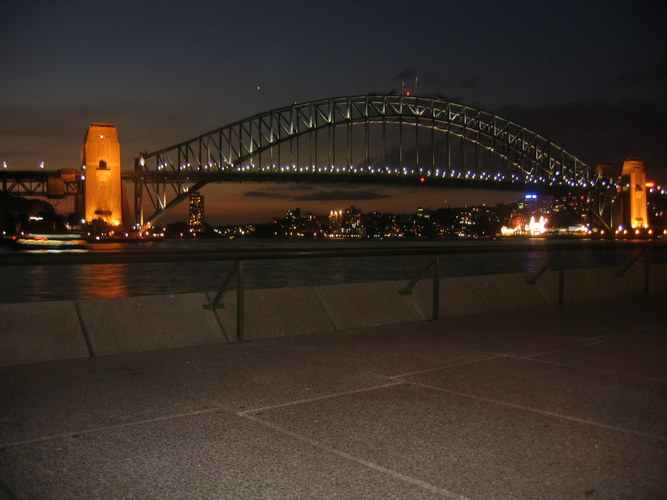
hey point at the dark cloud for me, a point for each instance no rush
(406, 74)
(302, 187)
(259, 193)
(281, 192)
(342, 195)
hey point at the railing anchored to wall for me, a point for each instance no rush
(642, 255)
(237, 270)
(644, 251)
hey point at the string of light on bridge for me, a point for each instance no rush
(556, 179)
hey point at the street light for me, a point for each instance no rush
(41, 164)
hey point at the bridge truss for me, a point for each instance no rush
(43, 183)
(374, 138)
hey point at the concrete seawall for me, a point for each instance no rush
(50, 331)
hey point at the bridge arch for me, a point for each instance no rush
(370, 138)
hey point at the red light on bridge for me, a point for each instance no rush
(422, 179)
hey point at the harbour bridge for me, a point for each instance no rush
(364, 139)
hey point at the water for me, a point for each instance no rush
(73, 282)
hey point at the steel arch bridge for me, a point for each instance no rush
(371, 138)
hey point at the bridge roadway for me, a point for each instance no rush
(36, 183)
(547, 402)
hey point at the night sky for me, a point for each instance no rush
(591, 76)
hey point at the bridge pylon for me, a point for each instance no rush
(626, 207)
(100, 156)
(633, 194)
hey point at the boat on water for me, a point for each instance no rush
(62, 241)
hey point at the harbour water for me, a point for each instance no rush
(73, 282)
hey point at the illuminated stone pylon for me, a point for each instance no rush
(636, 212)
(103, 190)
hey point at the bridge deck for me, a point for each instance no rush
(555, 403)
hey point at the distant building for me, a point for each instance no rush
(352, 224)
(335, 222)
(196, 214)
(424, 213)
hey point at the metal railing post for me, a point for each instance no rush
(646, 270)
(561, 277)
(643, 253)
(552, 260)
(237, 269)
(435, 262)
(218, 296)
(408, 289)
(240, 305)
(561, 286)
(436, 288)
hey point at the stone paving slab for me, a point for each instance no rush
(251, 378)
(629, 358)
(655, 336)
(481, 449)
(501, 337)
(47, 399)
(389, 350)
(41, 400)
(634, 404)
(212, 454)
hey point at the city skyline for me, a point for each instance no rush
(588, 76)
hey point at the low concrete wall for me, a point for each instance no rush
(479, 294)
(507, 291)
(147, 323)
(40, 331)
(457, 298)
(357, 305)
(49, 331)
(658, 277)
(276, 312)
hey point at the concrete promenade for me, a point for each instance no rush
(546, 402)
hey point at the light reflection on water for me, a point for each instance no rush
(72, 282)
(110, 280)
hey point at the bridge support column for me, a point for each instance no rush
(635, 210)
(103, 190)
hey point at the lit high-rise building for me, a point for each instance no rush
(196, 213)
(335, 221)
(352, 224)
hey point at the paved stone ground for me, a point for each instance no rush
(556, 402)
